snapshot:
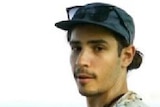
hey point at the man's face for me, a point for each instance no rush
(94, 59)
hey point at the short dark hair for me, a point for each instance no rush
(122, 43)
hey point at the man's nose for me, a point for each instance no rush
(84, 58)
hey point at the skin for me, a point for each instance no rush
(99, 72)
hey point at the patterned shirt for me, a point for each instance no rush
(130, 99)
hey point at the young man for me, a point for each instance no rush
(101, 38)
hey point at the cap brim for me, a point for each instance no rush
(67, 25)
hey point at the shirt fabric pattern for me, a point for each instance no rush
(130, 99)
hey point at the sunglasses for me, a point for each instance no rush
(99, 14)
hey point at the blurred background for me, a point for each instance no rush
(34, 54)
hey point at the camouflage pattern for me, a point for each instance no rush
(130, 99)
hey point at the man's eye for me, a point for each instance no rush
(76, 49)
(98, 48)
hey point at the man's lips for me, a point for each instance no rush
(84, 78)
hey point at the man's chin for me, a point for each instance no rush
(87, 93)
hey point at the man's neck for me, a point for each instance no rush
(108, 98)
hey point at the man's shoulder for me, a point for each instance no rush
(130, 99)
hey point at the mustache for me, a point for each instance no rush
(82, 70)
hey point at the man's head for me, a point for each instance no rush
(108, 16)
(101, 37)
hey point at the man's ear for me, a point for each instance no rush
(127, 55)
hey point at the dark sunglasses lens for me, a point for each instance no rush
(101, 13)
(71, 11)
(98, 14)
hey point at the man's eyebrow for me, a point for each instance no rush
(100, 41)
(74, 42)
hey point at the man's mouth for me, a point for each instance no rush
(84, 78)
